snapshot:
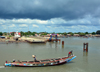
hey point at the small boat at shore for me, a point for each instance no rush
(40, 63)
(51, 40)
(35, 41)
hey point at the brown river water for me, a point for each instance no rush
(84, 62)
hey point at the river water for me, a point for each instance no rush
(84, 62)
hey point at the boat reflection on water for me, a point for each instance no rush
(85, 53)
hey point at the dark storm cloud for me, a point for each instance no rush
(47, 9)
(66, 25)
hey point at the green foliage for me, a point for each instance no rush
(59, 33)
(79, 32)
(64, 33)
(10, 36)
(26, 33)
(71, 33)
(93, 33)
(1, 33)
(86, 33)
(53, 33)
(98, 32)
(82, 34)
(29, 33)
(44, 34)
(12, 33)
(33, 33)
(22, 33)
(76, 33)
(5, 33)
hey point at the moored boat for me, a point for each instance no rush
(40, 63)
(51, 40)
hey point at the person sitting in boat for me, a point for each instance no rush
(14, 60)
(34, 58)
(70, 53)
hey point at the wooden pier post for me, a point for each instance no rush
(62, 44)
(85, 47)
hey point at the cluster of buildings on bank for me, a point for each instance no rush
(69, 35)
(18, 34)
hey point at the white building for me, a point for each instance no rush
(17, 35)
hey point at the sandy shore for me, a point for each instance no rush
(23, 39)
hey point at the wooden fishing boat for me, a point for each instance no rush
(40, 63)
(35, 41)
(51, 40)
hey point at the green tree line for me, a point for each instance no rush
(45, 33)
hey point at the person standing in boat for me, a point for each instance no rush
(56, 37)
(34, 58)
(50, 37)
(70, 53)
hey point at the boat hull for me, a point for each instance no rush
(40, 64)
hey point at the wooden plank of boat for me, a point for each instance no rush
(40, 63)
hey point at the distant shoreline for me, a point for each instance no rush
(24, 39)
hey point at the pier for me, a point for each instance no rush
(85, 47)
(24, 39)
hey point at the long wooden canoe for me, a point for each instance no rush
(40, 63)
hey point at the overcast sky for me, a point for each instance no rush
(50, 15)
